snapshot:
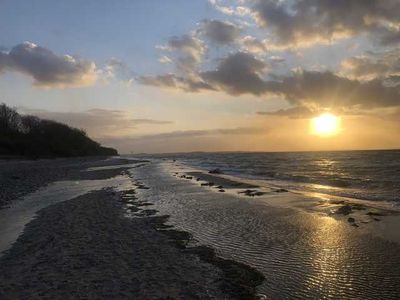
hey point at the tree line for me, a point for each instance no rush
(25, 135)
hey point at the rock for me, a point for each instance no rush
(281, 191)
(215, 171)
(221, 191)
(351, 220)
(375, 214)
(344, 210)
(220, 187)
(261, 297)
(252, 193)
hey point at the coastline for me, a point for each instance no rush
(106, 243)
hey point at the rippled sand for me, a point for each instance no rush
(302, 253)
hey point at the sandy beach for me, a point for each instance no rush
(126, 228)
(107, 244)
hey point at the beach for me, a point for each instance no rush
(160, 229)
(107, 244)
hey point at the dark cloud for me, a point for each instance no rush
(327, 89)
(306, 22)
(48, 69)
(97, 122)
(238, 73)
(219, 32)
(374, 65)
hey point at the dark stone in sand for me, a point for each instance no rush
(147, 212)
(375, 214)
(198, 179)
(207, 184)
(252, 193)
(351, 220)
(358, 206)
(240, 279)
(281, 191)
(143, 187)
(344, 210)
(215, 171)
(355, 225)
(376, 219)
(189, 177)
(221, 191)
(180, 238)
(337, 201)
(144, 204)
(220, 187)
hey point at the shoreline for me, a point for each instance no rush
(89, 247)
(371, 215)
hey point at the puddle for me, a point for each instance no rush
(22, 211)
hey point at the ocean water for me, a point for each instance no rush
(303, 255)
(365, 175)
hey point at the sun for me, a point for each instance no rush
(326, 124)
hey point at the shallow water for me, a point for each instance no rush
(13, 219)
(302, 255)
(369, 175)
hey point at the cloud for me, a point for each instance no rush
(326, 89)
(237, 74)
(297, 112)
(48, 69)
(185, 140)
(197, 133)
(117, 69)
(253, 45)
(237, 10)
(374, 65)
(186, 52)
(175, 82)
(97, 122)
(303, 23)
(242, 73)
(219, 32)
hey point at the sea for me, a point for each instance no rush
(364, 175)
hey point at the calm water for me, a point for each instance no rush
(302, 255)
(369, 175)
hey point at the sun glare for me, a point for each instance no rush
(326, 124)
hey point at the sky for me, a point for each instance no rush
(207, 75)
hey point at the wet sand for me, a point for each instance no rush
(304, 251)
(107, 244)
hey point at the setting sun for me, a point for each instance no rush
(326, 124)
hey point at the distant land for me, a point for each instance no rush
(32, 137)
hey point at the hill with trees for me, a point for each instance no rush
(30, 136)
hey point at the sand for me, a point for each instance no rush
(109, 245)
